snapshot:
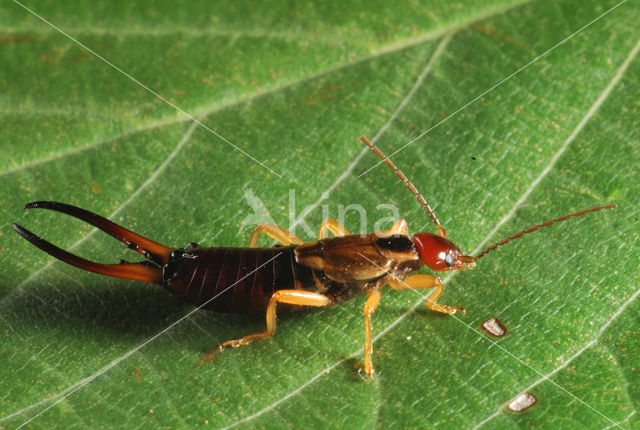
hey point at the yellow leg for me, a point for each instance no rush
(370, 305)
(333, 226)
(293, 297)
(281, 235)
(415, 282)
(400, 227)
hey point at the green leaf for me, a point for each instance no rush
(293, 86)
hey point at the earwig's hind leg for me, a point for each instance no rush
(281, 235)
(415, 282)
(333, 226)
(369, 307)
(292, 297)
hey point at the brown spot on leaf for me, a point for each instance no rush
(324, 93)
(493, 32)
(6, 39)
(80, 57)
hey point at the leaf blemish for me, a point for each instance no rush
(522, 402)
(494, 327)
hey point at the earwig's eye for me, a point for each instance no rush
(448, 259)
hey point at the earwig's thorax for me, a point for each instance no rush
(399, 249)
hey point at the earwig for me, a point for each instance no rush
(326, 272)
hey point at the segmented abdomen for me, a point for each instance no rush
(239, 280)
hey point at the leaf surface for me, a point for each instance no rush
(293, 87)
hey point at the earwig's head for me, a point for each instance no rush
(439, 253)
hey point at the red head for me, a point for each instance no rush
(439, 253)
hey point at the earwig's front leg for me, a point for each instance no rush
(369, 307)
(281, 235)
(415, 282)
(399, 227)
(292, 297)
(333, 226)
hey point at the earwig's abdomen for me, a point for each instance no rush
(238, 280)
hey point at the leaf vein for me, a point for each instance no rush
(206, 111)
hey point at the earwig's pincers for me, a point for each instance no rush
(145, 271)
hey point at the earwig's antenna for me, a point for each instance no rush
(408, 183)
(536, 227)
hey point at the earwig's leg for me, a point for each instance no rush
(370, 305)
(415, 282)
(281, 235)
(400, 227)
(333, 226)
(292, 297)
